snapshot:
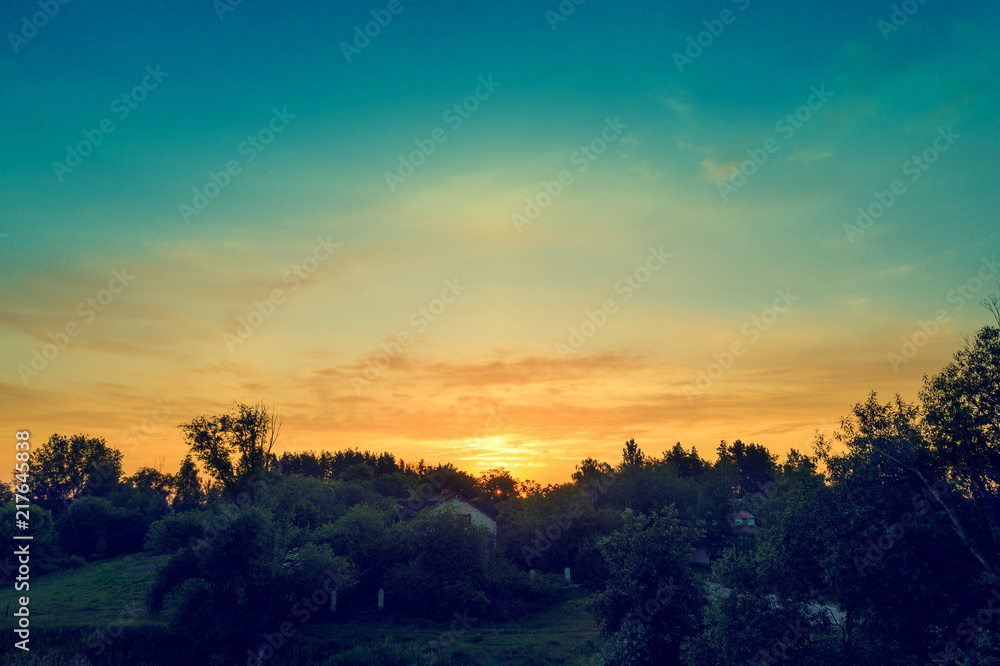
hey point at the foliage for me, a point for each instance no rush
(95, 528)
(497, 485)
(443, 564)
(650, 584)
(233, 446)
(65, 468)
(188, 491)
(231, 589)
(42, 531)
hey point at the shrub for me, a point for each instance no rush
(175, 531)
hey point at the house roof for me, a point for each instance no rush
(483, 506)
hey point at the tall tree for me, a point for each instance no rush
(235, 445)
(686, 464)
(64, 468)
(632, 455)
(962, 413)
(753, 463)
(188, 493)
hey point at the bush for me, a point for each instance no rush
(175, 531)
(42, 531)
(94, 528)
(238, 585)
(446, 558)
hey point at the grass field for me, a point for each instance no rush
(95, 594)
(73, 611)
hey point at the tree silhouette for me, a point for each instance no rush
(65, 468)
(236, 445)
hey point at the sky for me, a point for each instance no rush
(497, 234)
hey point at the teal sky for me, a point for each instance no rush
(555, 87)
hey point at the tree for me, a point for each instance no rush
(962, 413)
(360, 473)
(553, 530)
(442, 564)
(497, 485)
(150, 480)
(94, 528)
(188, 493)
(233, 446)
(245, 582)
(686, 464)
(744, 628)
(362, 535)
(632, 455)
(753, 463)
(43, 539)
(652, 601)
(456, 481)
(878, 540)
(590, 470)
(65, 468)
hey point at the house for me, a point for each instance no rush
(745, 522)
(740, 522)
(479, 511)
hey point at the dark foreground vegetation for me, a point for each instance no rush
(880, 547)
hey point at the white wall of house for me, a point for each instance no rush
(477, 516)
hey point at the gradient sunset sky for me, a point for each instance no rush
(643, 126)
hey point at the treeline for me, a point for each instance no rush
(882, 546)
